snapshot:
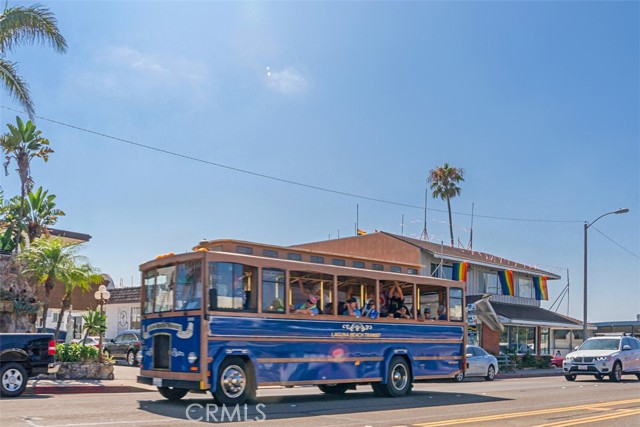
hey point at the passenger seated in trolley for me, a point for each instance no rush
(309, 307)
(442, 312)
(351, 308)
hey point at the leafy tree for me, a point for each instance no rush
(40, 212)
(23, 143)
(49, 261)
(83, 278)
(444, 185)
(25, 25)
(94, 323)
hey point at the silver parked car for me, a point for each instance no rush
(479, 364)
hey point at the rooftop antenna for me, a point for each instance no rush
(424, 235)
(471, 235)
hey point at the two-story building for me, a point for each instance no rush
(504, 296)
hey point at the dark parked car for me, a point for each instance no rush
(62, 335)
(23, 356)
(124, 346)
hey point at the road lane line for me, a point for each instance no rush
(525, 414)
(603, 417)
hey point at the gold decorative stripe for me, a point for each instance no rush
(318, 359)
(333, 340)
(316, 382)
(437, 358)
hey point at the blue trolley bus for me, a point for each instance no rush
(232, 316)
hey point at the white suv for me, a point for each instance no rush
(601, 356)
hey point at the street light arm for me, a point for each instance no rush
(619, 211)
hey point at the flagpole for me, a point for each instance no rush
(471, 236)
(357, 218)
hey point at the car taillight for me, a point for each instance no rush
(52, 348)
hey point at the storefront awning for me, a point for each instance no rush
(486, 314)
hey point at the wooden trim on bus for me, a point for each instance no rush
(173, 375)
(436, 377)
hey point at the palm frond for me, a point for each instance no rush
(33, 24)
(17, 88)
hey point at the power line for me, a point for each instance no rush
(284, 180)
(617, 244)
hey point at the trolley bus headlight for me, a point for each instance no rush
(139, 356)
(192, 358)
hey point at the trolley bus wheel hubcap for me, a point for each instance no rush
(233, 381)
(399, 377)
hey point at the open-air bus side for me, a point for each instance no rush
(226, 322)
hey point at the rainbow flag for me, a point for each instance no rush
(506, 280)
(361, 232)
(460, 271)
(540, 287)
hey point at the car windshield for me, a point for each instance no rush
(606, 344)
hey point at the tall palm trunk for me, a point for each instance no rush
(450, 221)
(45, 306)
(66, 303)
(25, 183)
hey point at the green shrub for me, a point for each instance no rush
(76, 353)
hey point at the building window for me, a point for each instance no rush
(358, 264)
(442, 271)
(244, 250)
(488, 283)
(544, 341)
(525, 287)
(317, 259)
(412, 271)
(339, 262)
(135, 317)
(378, 267)
(518, 339)
(395, 269)
(270, 253)
(294, 257)
(55, 316)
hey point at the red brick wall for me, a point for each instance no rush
(490, 340)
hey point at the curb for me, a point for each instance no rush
(83, 388)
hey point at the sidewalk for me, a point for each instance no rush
(128, 384)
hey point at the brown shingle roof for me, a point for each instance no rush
(471, 255)
(125, 295)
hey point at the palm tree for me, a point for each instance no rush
(50, 261)
(23, 143)
(94, 323)
(25, 25)
(83, 278)
(40, 212)
(444, 185)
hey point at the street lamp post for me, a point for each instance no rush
(102, 295)
(586, 227)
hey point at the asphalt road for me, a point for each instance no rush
(542, 402)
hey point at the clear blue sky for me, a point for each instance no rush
(537, 101)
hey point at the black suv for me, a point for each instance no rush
(125, 346)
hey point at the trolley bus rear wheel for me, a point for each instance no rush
(333, 389)
(172, 393)
(398, 378)
(236, 384)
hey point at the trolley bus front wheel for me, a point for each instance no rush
(236, 384)
(336, 389)
(173, 393)
(398, 379)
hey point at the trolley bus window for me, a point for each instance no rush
(159, 290)
(189, 286)
(455, 304)
(273, 290)
(232, 286)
